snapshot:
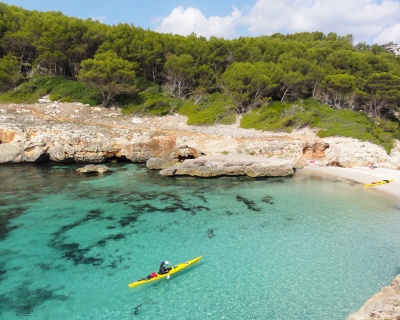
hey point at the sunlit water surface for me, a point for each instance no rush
(304, 247)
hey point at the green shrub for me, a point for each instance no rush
(215, 108)
(277, 117)
(58, 88)
(27, 92)
(73, 91)
(345, 123)
(153, 103)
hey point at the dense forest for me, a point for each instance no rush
(277, 82)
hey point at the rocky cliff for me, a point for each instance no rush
(71, 132)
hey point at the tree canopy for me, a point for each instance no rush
(251, 71)
(109, 73)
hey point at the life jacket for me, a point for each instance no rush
(153, 275)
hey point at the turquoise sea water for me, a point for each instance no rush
(304, 247)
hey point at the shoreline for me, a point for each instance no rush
(363, 175)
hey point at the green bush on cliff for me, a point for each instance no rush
(152, 102)
(27, 92)
(346, 123)
(57, 88)
(72, 91)
(278, 117)
(214, 109)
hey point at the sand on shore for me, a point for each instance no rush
(363, 175)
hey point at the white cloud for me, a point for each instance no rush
(390, 34)
(367, 20)
(186, 21)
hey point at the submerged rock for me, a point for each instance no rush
(92, 168)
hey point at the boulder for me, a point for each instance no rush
(92, 168)
(232, 165)
(273, 168)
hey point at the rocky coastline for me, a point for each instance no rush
(72, 132)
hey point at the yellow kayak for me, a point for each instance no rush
(156, 276)
(377, 183)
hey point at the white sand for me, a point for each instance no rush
(364, 175)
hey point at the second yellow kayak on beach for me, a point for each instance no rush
(374, 184)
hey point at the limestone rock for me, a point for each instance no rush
(233, 165)
(157, 163)
(91, 168)
(348, 152)
(273, 168)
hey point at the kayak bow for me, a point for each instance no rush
(378, 183)
(174, 269)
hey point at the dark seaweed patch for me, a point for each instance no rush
(3, 271)
(116, 237)
(129, 219)
(251, 205)
(171, 196)
(23, 300)
(210, 233)
(230, 213)
(77, 255)
(176, 207)
(199, 194)
(200, 208)
(44, 266)
(267, 199)
(93, 214)
(5, 219)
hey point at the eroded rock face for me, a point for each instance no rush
(6, 136)
(348, 152)
(75, 133)
(382, 306)
(315, 150)
(214, 166)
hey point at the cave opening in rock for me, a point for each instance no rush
(115, 159)
(183, 158)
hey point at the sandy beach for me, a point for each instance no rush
(363, 175)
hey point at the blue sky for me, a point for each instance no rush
(373, 21)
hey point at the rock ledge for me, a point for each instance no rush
(233, 165)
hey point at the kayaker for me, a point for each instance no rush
(164, 267)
